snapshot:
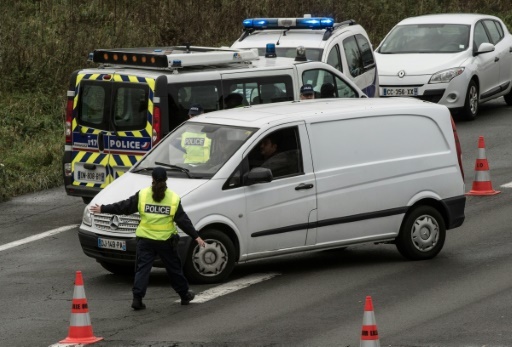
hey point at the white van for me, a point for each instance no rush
(347, 171)
(345, 45)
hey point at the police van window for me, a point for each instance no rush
(354, 58)
(279, 151)
(182, 96)
(321, 79)
(334, 59)
(314, 54)
(130, 107)
(259, 90)
(366, 51)
(92, 105)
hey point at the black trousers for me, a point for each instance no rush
(147, 250)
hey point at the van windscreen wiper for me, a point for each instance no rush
(175, 167)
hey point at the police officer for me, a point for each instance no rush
(307, 92)
(159, 208)
(197, 146)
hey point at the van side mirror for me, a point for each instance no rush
(259, 175)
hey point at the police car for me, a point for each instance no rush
(345, 45)
(120, 110)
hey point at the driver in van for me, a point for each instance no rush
(160, 211)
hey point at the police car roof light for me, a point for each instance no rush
(173, 57)
(270, 50)
(301, 54)
(288, 23)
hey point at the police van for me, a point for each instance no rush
(120, 110)
(343, 172)
(344, 45)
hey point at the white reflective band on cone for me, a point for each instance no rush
(80, 320)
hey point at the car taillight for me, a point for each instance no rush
(157, 125)
(457, 146)
(69, 120)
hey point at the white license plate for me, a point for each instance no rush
(90, 176)
(400, 91)
(112, 244)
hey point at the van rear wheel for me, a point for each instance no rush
(422, 234)
(213, 263)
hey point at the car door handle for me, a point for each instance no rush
(304, 186)
(496, 59)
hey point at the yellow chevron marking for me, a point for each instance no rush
(151, 83)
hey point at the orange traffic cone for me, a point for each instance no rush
(80, 328)
(369, 334)
(482, 184)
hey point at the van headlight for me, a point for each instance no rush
(87, 217)
(446, 76)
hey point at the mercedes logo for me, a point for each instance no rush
(114, 222)
(401, 73)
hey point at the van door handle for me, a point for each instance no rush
(304, 186)
(496, 59)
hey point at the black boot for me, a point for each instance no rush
(187, 297)
(137, 304)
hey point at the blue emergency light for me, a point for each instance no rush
(288, 23)
(270, 50)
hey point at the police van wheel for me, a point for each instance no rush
(86, 200)
(213, 263)
(116, 269)
(422, 234)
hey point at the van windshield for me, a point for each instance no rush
(314, 54)
(195, 150)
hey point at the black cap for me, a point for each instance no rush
(195, 109)
(159, 174)
(307, 89)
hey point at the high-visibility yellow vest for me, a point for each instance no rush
(197, 147)
(157, 218)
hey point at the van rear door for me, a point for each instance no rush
(112, 127)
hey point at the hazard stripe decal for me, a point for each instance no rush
(115, 162)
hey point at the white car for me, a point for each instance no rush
(457, 60)
(345, 46)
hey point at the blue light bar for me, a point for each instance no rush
(288, 23)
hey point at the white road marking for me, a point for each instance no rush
(230, 287)
(506, 185)
(37, 237)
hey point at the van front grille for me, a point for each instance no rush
(117, 223)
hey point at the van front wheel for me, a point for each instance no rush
(422, 234)
(213, 263)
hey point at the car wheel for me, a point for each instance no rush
(213, 263)
(116, 269)
(471, 105)
(508, 98)
(86, 200)
(422, 234)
